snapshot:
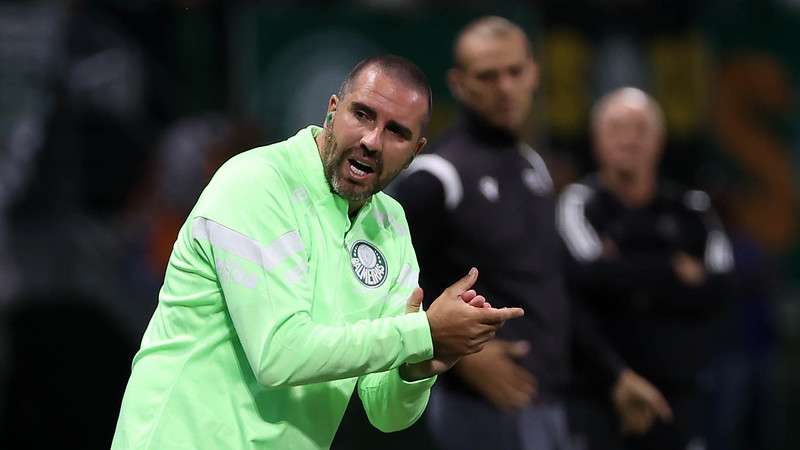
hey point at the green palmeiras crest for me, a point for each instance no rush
(368, 263)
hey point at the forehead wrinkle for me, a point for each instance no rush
(392, 95)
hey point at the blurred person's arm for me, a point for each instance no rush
(703, 266)
(495, 374)
(693, 279)
(593, 262)
(638, 402)
(593, 349)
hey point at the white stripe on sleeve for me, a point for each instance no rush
(445, 172)
(541, 179)
(267, 257)
(718, 254)
(581, 239)
(408, 277)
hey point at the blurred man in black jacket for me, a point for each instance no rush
(485, 198)
(652, 263)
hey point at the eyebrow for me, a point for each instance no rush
(391, 125)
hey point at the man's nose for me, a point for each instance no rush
(371, 140)
(506, 84)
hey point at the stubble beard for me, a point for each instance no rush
(332, 160)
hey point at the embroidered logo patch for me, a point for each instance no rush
(489, 188)
(369, 265)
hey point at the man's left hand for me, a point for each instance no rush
(435, 366)
(638, 403)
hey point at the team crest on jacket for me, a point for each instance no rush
(369, 265)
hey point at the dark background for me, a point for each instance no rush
(114, 114)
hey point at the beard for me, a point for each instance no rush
(332, 160)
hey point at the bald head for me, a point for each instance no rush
(628, 98)
(482, 29)
(494, 75)
(628, 131)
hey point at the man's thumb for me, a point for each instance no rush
(464, 283)
(414, 301)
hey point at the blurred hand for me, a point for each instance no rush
(688, 269)
(494, 373)
(638, 403)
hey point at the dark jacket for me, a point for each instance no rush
(663, 328)
(484, 199)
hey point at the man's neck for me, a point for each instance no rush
(485, 131)
(634, 190)
(320, 141)
(354, 207)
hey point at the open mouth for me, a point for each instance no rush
(360, 169)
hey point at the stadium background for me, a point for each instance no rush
(114, 114)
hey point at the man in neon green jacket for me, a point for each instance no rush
(293, 281)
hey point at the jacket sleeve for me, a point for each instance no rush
(391, 403)
(594, 349)
(589, 268)
(251, 241)
(707, 241)
(620, 277)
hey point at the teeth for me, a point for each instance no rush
(357, 171)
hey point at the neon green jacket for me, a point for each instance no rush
(274, 307)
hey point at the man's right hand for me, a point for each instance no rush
(688, 269)
(458, 328)
(494, 373)
(638, 403)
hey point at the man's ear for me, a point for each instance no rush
(420, 145)
(536, 75)
(455, 79)
(333, 102)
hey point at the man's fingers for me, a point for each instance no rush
(478, 301)
(636, 423)
(518, 399)
(661, 407)
(508, 398)
(467, 296)
(637, 418)
(525, 381)
(414, 301)
(646, 422)
(653, 399)
(510, 313)
(498, 316)
(466, 282)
